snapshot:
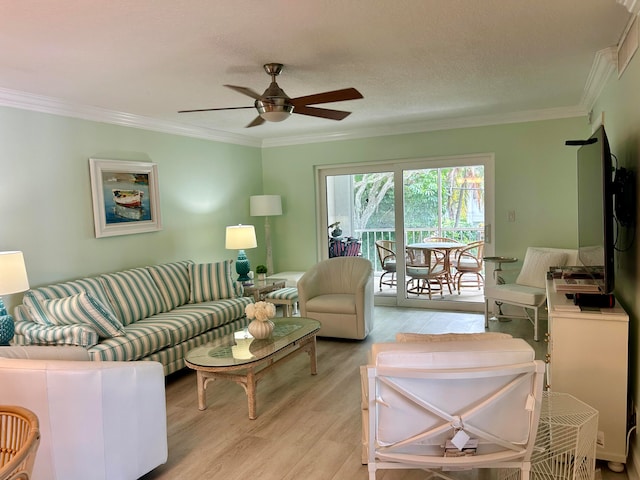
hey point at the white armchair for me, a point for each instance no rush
(338, 292)
(98, 420)
(528, 291)
(418, 396)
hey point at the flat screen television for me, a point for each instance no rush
(596, 176)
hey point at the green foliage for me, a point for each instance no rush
(261, 269)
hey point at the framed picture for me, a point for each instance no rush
(126, 198)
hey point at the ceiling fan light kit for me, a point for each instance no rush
(275, 106)
(274, 112)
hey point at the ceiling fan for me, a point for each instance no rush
(275, 106)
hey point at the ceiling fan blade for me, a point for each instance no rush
(321, 112)
(212, 109)
(245, 91)
(328, 97)
(256, 121)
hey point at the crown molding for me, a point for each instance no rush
(43, 104)
(603, 66)
(632, 5)
(431, 126)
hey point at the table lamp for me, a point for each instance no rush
(238, 238)
(13, 279)
(266, 206)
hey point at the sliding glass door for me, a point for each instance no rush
(362, 213)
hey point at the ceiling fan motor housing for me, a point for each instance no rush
(274, 105)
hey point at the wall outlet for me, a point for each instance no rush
(600, 439)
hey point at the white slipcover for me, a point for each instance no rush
(98, 420)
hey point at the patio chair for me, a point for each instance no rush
(387, 256)
(19, 441)
(451, 405)
(529, 289)
(426, 271)
(469, 261)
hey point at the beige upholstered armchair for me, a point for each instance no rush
(338, 292)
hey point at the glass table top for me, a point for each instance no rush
(239, 348)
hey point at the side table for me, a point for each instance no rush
(261, 287)
(565, 446)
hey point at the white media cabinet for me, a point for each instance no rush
(588, 358)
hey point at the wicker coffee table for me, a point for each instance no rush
(242, 359)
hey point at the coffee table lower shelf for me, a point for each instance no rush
(247, 375)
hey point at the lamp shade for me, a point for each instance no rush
(13, 273)
(265, 205)
(240, 237)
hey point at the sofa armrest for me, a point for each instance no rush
(31, 333)
(108, 418)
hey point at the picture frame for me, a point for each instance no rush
(126, 198)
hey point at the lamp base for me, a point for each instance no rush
(6, 329)
(242, 267)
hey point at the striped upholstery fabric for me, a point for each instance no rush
(290, 293)
(141, 339)
(171, 358)
(31, 333)
(211, 281)
(286, 297)
(33, 298)
(191, 320)
(133, 294)
(173, 281)
(83, 308)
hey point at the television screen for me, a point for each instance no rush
(595, 209)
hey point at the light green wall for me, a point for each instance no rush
(620, 102)
(46, 206)
(534, 175)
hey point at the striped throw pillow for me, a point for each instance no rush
(83, 308)
(211, 281)
(33, 298)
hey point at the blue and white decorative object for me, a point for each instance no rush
(239, 237)
(13, 279)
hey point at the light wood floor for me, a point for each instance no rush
(308, 427)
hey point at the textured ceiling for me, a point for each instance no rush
(413, 60)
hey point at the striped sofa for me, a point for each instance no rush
(149, 313)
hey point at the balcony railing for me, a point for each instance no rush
(369, 237)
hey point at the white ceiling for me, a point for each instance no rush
(417, 62)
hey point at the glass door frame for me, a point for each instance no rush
(397, 167)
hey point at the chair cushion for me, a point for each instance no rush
(333, 303)
(459, 354)
(211, 281)
(83, 308)
(536, 265)
(389, 265)
(283, 294)
(514, 293)
(448, 337)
